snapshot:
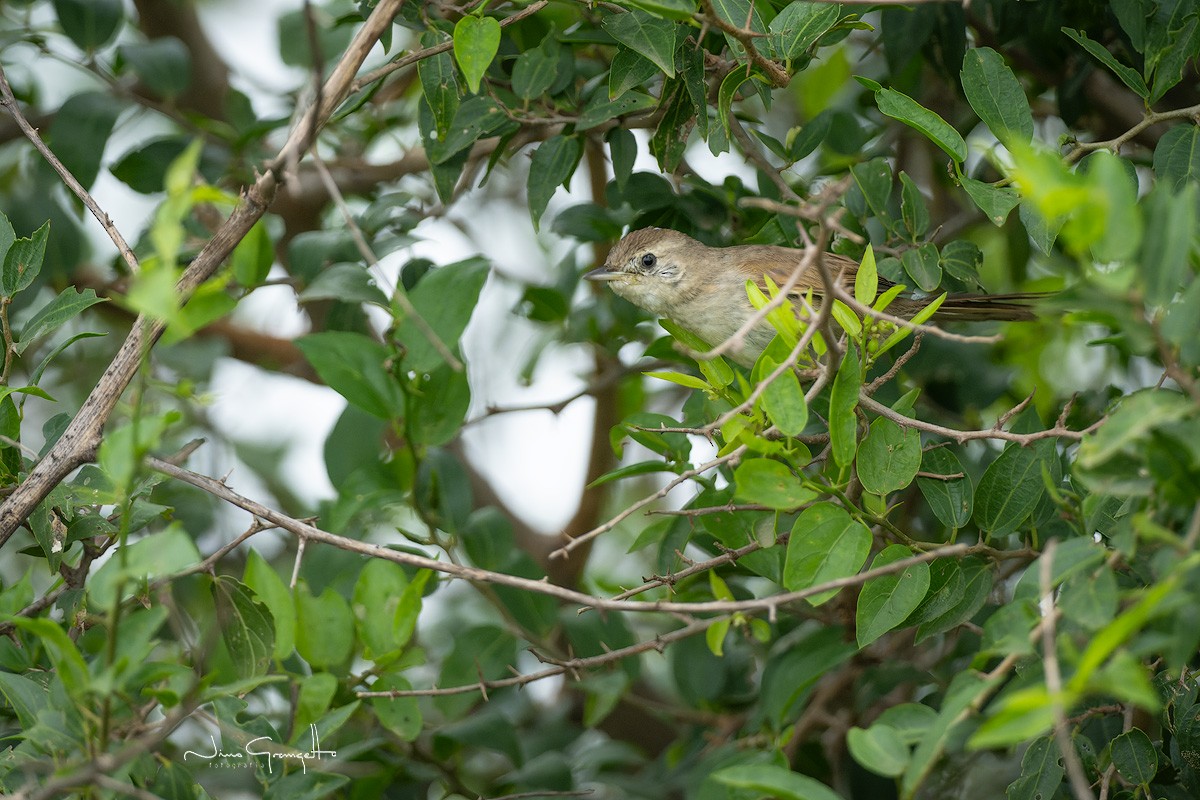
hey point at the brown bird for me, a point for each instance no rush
(703, 289)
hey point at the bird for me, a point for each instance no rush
(702, 289)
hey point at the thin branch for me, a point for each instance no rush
(1151, 119)
(9, 101)
(1024, 439)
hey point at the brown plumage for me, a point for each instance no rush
(702, 288)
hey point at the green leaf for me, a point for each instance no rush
(1171, 230)
(552, 166)
(80, 130)
(889, 457)
(1041, 772)
(886, 601)
(90, 24)
(649, 36)
(973, 591)
(874, 180)
(63, 652)
(23, 261)
(246, 626)
(1090, 600)
(775, 782)
(714, 637)
(347, 283)
(1020, 716)
(799, 25)
(400, 715)
(783, 398)
(1128, 425)
(439, 401)
(878, 749)
(536, 70)
(1128, 75)
(272, 592)
(629, 71)
(950, 499)
(445, 298)
(155, 556)
(163, 64)
(355, 366)
(923, 266)
(843, 398)
(679, 10)
(996, 96)
(826, 544)
(1113, 182)
(761, 480)
(964, 688)
(913, 209)
(898, 105)
(1177, 156)
(52, 316)
(324, 628)
(680, 379)
(439, 84)
(476, 41)
(476, 118)
(994, 201)
(600, 109)
(253, 256)
(377, 594)
(1011, 487)
(866, 279)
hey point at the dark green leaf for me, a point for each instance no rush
(843, 423)
(54, 315)
(783, 399)
(996, 95)
(89, 23)
(1171, 228)
(776, 782)
(898, 105)
(994, 201)
(826, 544)
(445, 298)
(476, 41)
(355, 366)
(975, 586)
(440, 403)
(622, 148)
(347, 283)
(889, 457)
(80, 130)
(23, 261)
(1177, 156)
(886, 601)
(799, 25)
(950, 498)
(600, 109)
(649, 36)
(1041, 772)
(913, 209)
(439, 83)
(1011, 487)
(476, 118)
(923, 266)
(629, 71)
(163, 64)
(271, 591)
(874, 180)
(246, 626)
(1134, 756)
(1128, 76)
(761, 480)
(536, 70)
(553, 164)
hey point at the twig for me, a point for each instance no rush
(1057, 432)
(1151, 119)
(8, 100)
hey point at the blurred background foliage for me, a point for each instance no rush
(411, 306)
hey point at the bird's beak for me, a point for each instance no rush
(602, 275)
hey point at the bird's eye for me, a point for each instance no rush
(649, 260)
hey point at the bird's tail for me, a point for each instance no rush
(979, 307)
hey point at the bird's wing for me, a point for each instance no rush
(778, 263)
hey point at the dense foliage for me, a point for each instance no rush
(881, 563)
